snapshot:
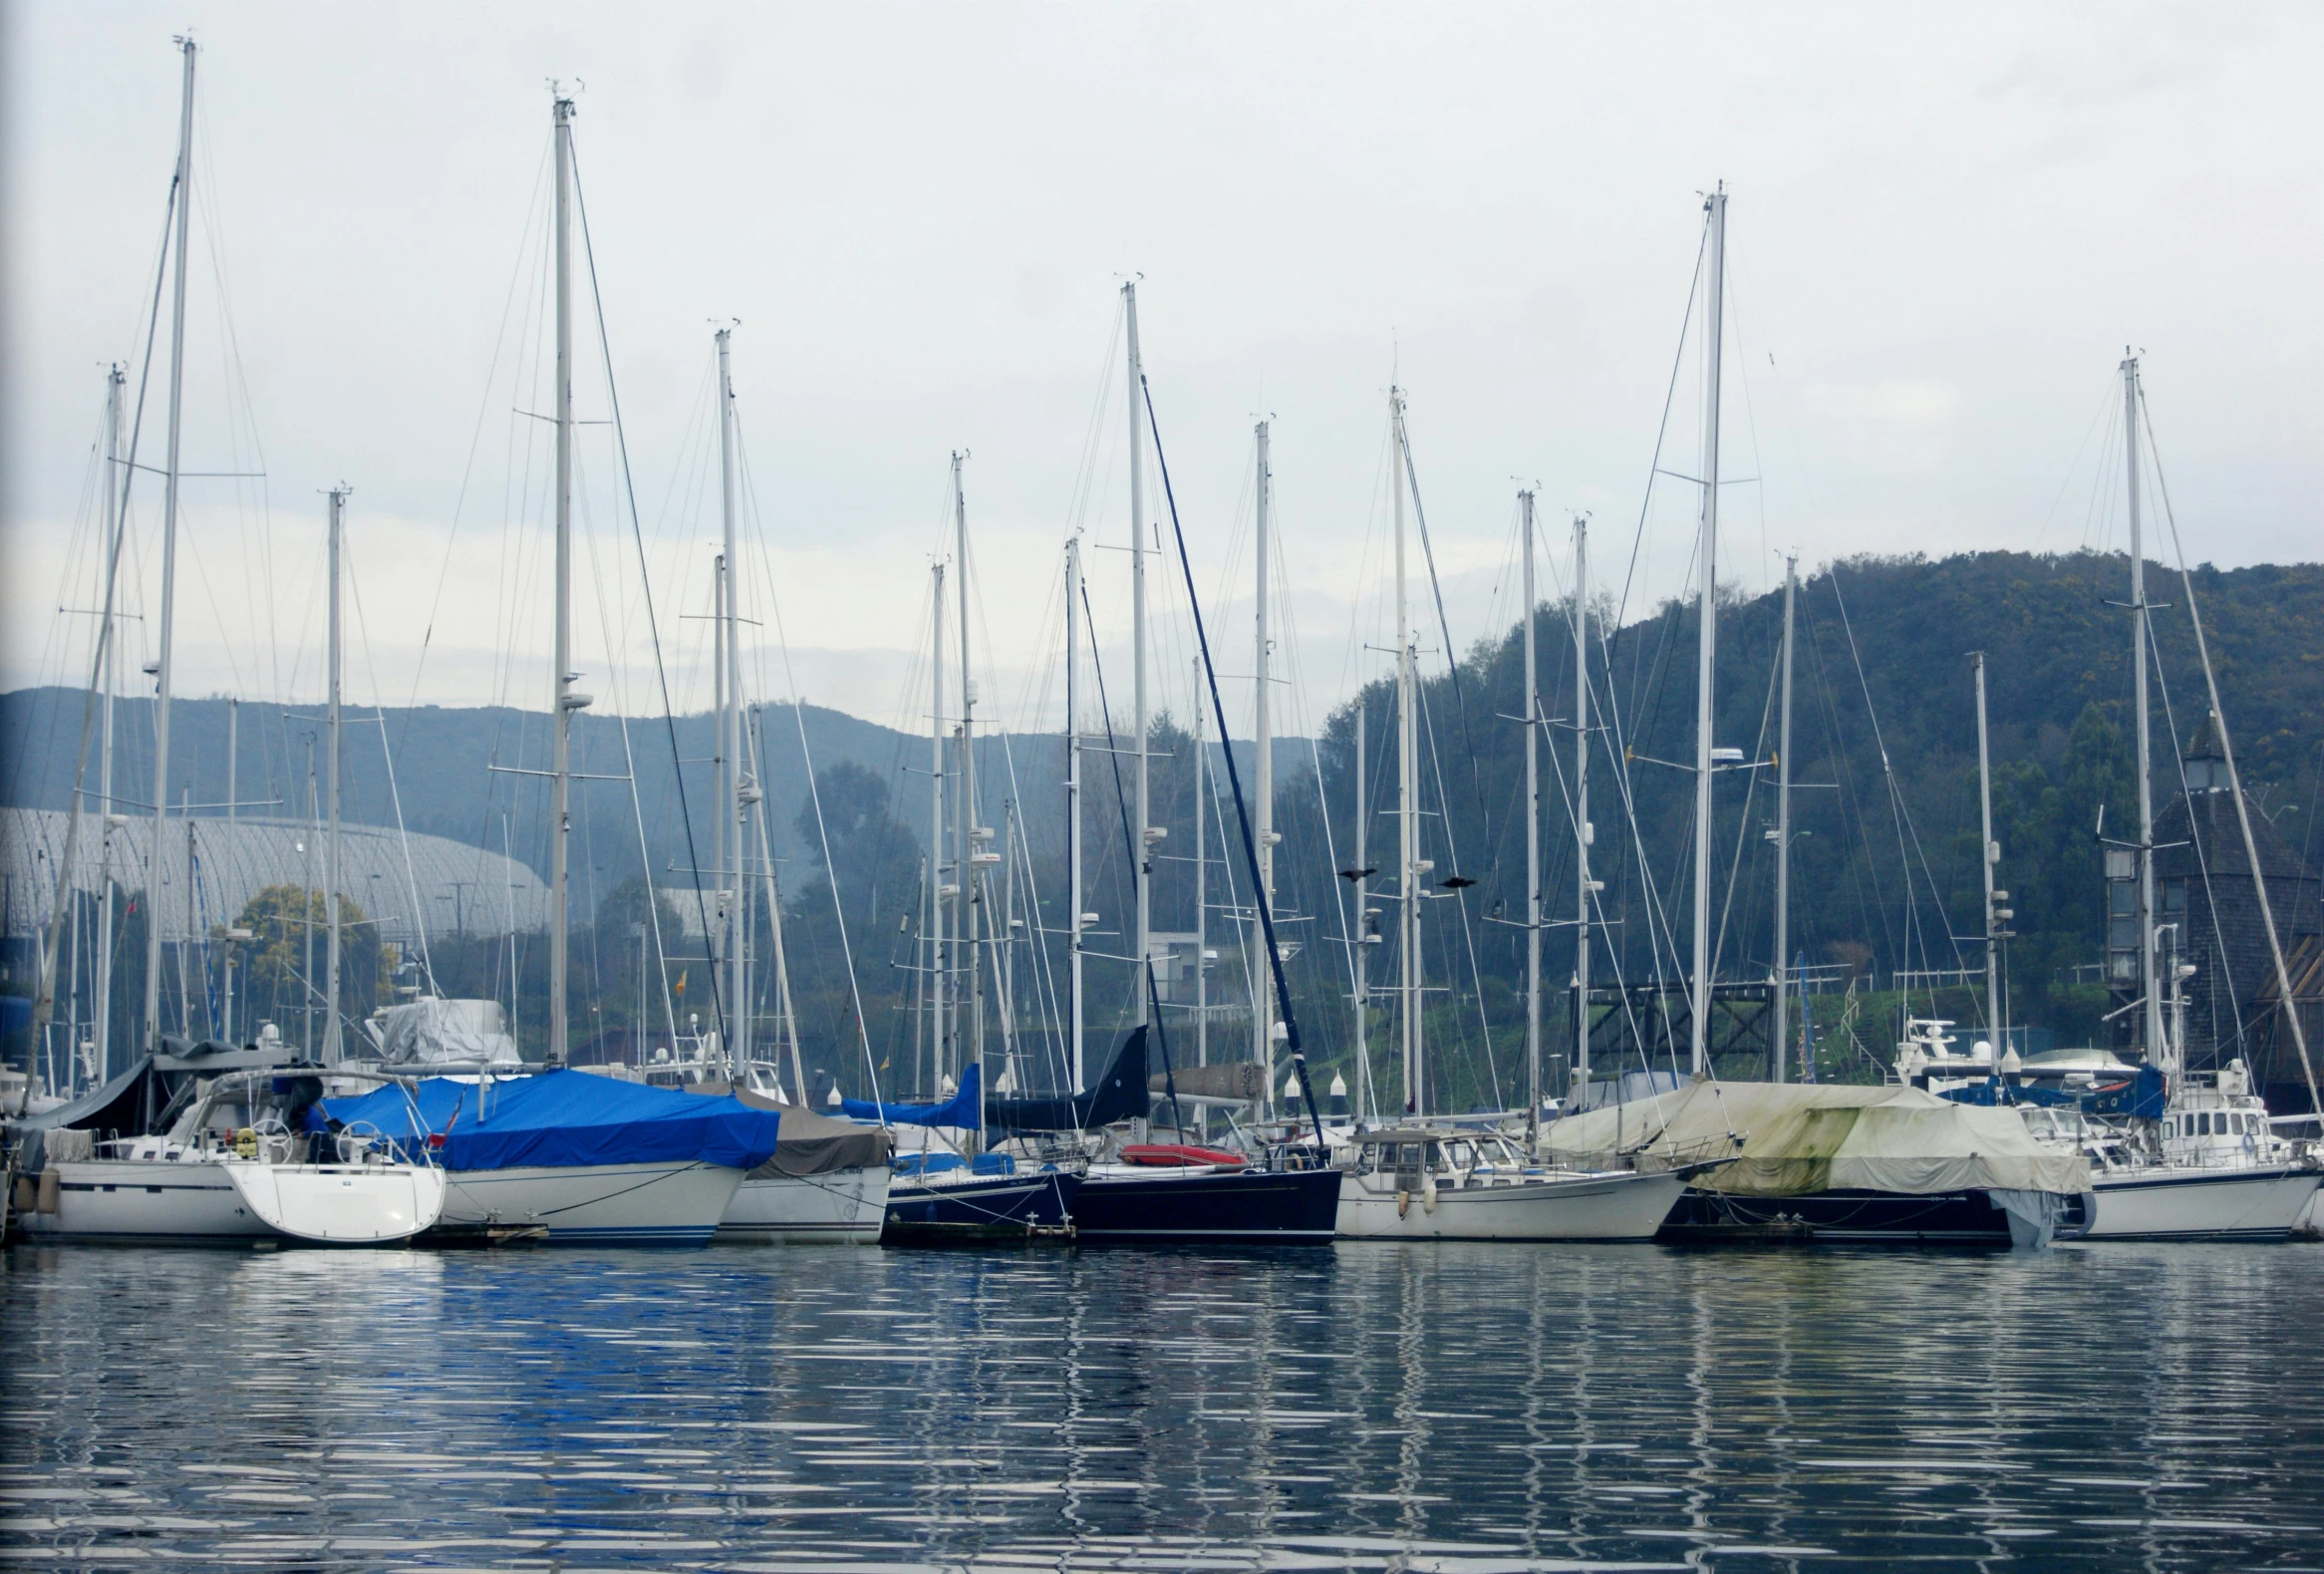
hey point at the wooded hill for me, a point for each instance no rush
(1885, 872)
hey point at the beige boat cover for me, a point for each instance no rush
(1800, 1138)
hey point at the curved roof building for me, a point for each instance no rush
(410, 883)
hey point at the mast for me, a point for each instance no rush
(1073, 913)
(1782, 819)
(1990, 856)
(307, 913)
(736, 785)
(2150, 996)
(1360, 874)
(721, 946)
(1584, 888)
(566, 701)
(1699, 1016)
(939, 953)
(334, 1049)
(1262, 774)
(1143, 872)
(969, 834)
(788, 1022)
(169, 559)
(1409, 862)
(1533, 847)
(233, 751)
(1201, 783)
(112, 527)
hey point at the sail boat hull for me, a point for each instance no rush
(1620, 1205)
(982, 1208)
(640, 1204)
(145, 1202)
(340, 1204)
(844, 1207)
(2264, 1202)
(1252, 1206)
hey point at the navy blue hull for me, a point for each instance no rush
(1003, 1207)
(1256, 1206)
(1838, 1217)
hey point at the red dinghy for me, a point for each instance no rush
(1178, 1155)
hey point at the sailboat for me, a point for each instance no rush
(826, 1180)
(1178, 1191)
(1435, 1181)
(976, 1194)
(1880, 1165)
(234, 1164)
(2203, 1161)
(575, 1157)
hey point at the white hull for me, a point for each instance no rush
(1620, 1205)
(652, 1204)
(846, 1207)
(340, 1204)
(2166, 1204)
(149, 1201)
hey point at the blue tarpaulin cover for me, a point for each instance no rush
(560, 1118)
(958, 1110)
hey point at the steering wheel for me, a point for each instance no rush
(357, 1141)
(272, 1139)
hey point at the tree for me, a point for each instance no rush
(274, 963)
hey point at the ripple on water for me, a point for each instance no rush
(1461, 1409)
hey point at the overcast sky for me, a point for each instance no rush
(1946, 224)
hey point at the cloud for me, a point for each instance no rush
(1945, 226)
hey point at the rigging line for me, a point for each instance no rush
(618, 676)
(1113, 753)
(2284, 983)
(1044, 978)
(1460, 894)
(1598, 906)
(238, 378)
(1750, 794)
(1260, 901)
(476, 437)
(1661, 930)
(1663, 428)
(1453, 665)
(1902, 815)
(2106, 404)
(387, 759)
(112, 551)
(2203, 858)
(1851, 805)
(653, 623)
(814, 787)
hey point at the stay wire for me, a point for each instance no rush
(652, 622)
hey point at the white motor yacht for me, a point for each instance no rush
(2210, 1168)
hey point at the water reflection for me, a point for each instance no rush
(1373, 1406)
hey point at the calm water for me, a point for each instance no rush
(1368, 1407)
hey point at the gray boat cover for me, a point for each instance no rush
(1795, 1139)
(815, 1144)
(1243, 1080)
(119, 1108)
